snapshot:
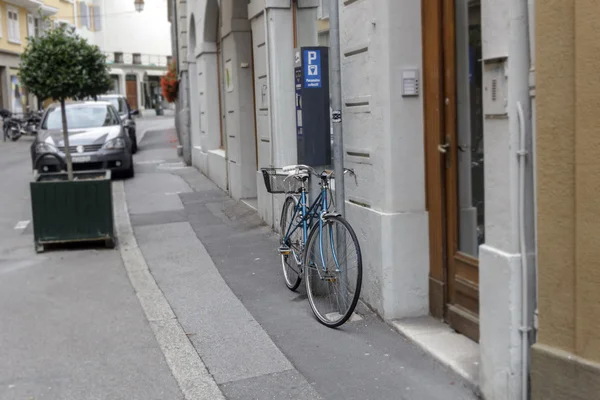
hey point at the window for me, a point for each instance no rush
(137, 58)
(38, 27)
(14, 31)
(97, 19)
(117, 102)
(30, 26)
(118, 58)
(114, 118)
(82, 117)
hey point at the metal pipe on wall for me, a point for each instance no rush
(520, 126)
(525, 328)
(336, 105)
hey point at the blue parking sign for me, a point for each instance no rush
(312, 68)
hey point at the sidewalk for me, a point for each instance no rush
(215, 262)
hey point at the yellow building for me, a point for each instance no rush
(566, 359)
(20, 19)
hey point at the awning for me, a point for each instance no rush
(116, 71)
(34, 6)
(48, 11)
(155, 72)
(29, 4)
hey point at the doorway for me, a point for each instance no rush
(454, 158)
(131, 91)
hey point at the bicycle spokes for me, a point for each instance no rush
(333, 273)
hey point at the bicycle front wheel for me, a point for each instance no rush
(333, 271)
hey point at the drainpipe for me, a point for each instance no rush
(519, 110)
(525, 328)
(533, 157)
(270, 118)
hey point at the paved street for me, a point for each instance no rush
(70, 325)
(73, 326)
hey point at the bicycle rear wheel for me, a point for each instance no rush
(291, 269)
(333, 271)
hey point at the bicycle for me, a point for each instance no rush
(314, 244)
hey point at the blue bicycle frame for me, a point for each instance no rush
(316, 209)
(308, 214)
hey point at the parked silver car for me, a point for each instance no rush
(126, 113)
(97, 139)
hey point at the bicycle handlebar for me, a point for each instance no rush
(293, 170)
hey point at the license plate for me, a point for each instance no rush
(82, 159)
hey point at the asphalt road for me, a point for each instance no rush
(71, 326)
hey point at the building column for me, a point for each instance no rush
(277, 133)
(238, 96)
(140, 82)
(209, 157)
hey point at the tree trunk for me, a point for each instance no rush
(63, 112)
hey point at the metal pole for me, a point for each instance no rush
(336, 105)
(338, 140)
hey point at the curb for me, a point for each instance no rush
(188, 369)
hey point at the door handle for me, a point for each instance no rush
(443, 148)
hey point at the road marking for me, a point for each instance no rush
(149, 162)
(175, 165)
(172, 193)
(22, 225)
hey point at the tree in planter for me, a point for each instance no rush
(61, 65)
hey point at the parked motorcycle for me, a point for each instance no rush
(31, 123)
(14, 127)
(10, 127)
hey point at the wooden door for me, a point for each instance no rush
(454, 220)
(131, 91)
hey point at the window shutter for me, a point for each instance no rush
(83, 14)
(97, 18)
(13, 26)
(30, 25)
(87, 17)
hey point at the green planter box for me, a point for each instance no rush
(72, 211)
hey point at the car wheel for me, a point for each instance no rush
(130, 172)
(134, 145)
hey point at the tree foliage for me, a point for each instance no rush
(61, 65)
(170, 83)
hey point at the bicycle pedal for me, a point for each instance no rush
(284, 251)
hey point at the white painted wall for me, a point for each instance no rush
(393, 227)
